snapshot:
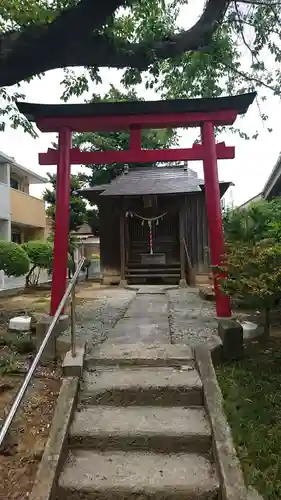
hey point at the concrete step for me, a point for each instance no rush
(89, 475)
(155, 429)
(137, 265)
(153, 275)
(141, 355)
(142, 270)
(163, 386)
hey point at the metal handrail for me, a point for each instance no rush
(24, 386)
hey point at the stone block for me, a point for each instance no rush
(253, 494)
(110, 276)
(140, 354)
(231, 335)
(50, 351)
(73, 365)
(206, 292)
(182, 283)
(123, 283)
(232, 484)
(56, 447)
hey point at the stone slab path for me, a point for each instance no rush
(145, 321)
(140, 430)
(159, 314)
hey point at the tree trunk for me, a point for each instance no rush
(27, 282)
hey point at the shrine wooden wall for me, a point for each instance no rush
(109, 210)
(196, 231)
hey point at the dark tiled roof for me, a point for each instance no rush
(97, 189)
(152, 180)
(156, 180)
(238, 102)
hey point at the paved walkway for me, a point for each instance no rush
(145, 321)
(161, 315)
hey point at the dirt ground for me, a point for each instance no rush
(23, 449)
(39, 301)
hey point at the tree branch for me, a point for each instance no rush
(240, 21)
(55, 48)
(141, 55)
(260, 3)
(250, 78)
(39, 47)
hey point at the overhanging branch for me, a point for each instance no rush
(40, 47)
(68, 42)
(101, 52)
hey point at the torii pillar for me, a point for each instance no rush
(214, 213)
(60, 263)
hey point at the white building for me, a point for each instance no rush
(22, 216)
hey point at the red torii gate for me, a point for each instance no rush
(134, 116)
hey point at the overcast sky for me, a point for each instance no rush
(248, 171)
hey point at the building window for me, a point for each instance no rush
(14, 183)
(16, 236)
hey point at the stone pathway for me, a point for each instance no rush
(141, 431)
(145, 321)
(166, 315)
(153, 313)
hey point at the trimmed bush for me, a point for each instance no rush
(40, 254)
(13, 259)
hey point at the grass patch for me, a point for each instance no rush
(42, 300)
(252, 393)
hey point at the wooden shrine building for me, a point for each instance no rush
(153, 225)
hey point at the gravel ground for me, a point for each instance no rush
(192, 320)
(95, 318)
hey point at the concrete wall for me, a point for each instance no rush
(27, 210)
(5, 211)
(5, 202)
(5, 173)
(5, 230)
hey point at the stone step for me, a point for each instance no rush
(91, 475)
(136, 264)
(164, 386)
(153, 275)
(141, 355)
(155, 429)
(159, 270)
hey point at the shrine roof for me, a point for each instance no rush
(152, 180)
(239, 103)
